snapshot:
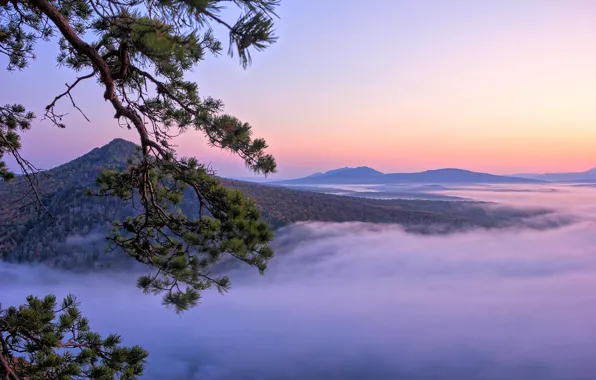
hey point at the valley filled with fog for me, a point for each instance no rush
(360, 301)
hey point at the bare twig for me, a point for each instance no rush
(29, 171)
(50, 107)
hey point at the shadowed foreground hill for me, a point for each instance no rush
(75, 237)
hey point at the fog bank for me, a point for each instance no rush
(362, 301)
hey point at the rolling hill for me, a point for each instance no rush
(75, 237)
(366, 175)
(343, 175)
(587, 176)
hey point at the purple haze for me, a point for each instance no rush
(355, 301)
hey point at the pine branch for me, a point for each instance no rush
(130, 43)
(8, 372)
(50, 114)
(28, 171)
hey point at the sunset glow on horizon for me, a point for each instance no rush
(493, 86)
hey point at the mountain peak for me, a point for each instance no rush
(113, 155)
(355, 170)
(119, 140)
(448, 170)
(115, 146)
(118, 143)
(367, 175)
(344, 175)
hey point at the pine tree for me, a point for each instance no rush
(138, 51)
(39, 341)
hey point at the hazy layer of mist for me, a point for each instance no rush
(363, 301)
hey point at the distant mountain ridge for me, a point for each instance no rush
(588, 175)
(361, 172)
(366, 175)
(74, 238)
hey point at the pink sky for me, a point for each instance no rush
(495, 86)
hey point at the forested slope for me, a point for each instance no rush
(74, 237)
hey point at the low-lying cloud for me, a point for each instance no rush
(364, 301)
(78, 240)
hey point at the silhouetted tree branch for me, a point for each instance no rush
(139, 51)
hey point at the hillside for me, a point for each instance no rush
(343, 175)
(366, 175)
(587, 176)
(75, 237)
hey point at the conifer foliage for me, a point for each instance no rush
(40, 341)
(139, 51)
(13, 119)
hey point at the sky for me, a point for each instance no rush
(502, 86)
